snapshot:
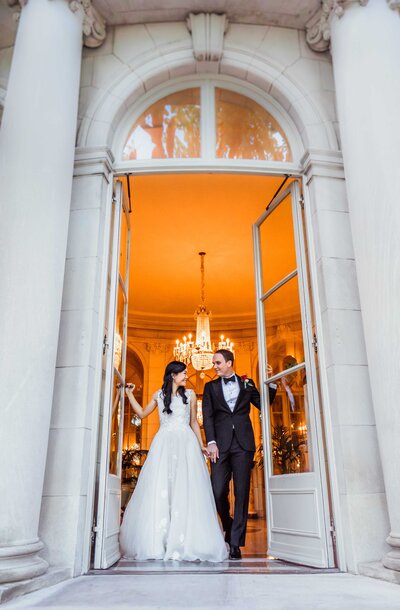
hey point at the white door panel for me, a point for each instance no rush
(297, 506)
(113, 381)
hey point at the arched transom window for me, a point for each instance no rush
(230, 125)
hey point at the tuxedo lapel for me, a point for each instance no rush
(220, 394)
(241, 386)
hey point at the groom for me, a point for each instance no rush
(230, 443)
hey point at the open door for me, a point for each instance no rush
(113, 382)
(297, 504)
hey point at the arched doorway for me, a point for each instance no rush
(213, 126)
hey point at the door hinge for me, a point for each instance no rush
(94, 531)
(333, 531)
(314, 343)
(301, 202)
(105, 344)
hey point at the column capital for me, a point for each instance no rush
(318, 29)
(394, 4)
(93, 24)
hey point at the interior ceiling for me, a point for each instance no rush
(174, 217)
(284, 13)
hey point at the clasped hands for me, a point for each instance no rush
(211, 452)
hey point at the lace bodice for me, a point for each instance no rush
(180, 415)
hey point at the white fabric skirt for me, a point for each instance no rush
(172, 513)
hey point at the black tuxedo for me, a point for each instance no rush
(233, 433)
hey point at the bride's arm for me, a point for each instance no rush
(139, 410)
(194, 424)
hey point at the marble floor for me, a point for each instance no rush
(248, 565)
(218, 591)
(256, 538)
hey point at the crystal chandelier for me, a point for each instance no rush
(200, 352)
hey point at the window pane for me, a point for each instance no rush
(119, 328)
(278, 253)
(290, 426)
(245, 130)
(169, 129)
(115, 427)
(123, 247)
(283, 327)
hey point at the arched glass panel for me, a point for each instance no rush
(168, 129)
(245, 130)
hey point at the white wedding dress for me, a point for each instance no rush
(172, 513)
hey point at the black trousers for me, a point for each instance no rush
(236, 462)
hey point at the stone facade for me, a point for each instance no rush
(307, 86)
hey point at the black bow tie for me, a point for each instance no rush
(228, 379)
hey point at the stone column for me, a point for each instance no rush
(365, 47)
(37, 142)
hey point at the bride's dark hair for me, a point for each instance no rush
(172, 368)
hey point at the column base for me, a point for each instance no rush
(376, 569)
(15, 589)
(21, 562)
(392, 559)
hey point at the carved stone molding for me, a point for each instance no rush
(93, 24)
(244, 346)
(208, 31)
(163, 348)
(394, 4)
(318, 31)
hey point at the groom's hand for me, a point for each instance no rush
(213, 452)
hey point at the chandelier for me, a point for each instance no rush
(200, 352)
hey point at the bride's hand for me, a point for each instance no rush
(204, 451)
(129, 387)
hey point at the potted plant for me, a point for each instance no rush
(286, 451)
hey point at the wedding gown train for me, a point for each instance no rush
(172, 513)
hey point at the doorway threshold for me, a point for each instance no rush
(247, 565)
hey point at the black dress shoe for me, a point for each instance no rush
(234, 552)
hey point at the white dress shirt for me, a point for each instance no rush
(231, 391)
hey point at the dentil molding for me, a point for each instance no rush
(208, 31)
(318, 31)
(93, 24)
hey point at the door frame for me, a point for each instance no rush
(325, 442)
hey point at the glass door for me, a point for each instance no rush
(297, 507)
(114, 366)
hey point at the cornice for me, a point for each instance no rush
(93, 24)
(145, 321)
(324, 163)
(94, 160)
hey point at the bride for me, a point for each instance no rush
(172, 513)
